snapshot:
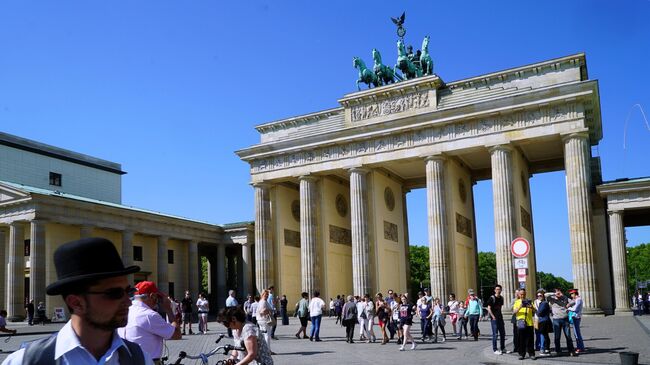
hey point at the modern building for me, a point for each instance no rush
(49, 196)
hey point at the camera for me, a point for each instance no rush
(525, 302)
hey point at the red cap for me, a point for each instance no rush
(573, 291)
(147, 287)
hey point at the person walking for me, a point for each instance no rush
(425, 313)
(394, 308)
(316, 308)
(474, 312)
(494, 305)
(273, 302)
(370, 318)
(338, 309)
(438, 320)
(186, 305)
(560, 315)
(544, 325)
(231, 301)
(462, 320)
(453, 312)
(575, 312)
(283, 310)
(29, 309)
(246, 336)
(361, 318)
(406, 312)
(383, 316)
(265, 317)
(524, 310)
(349, 315)
(248, 308)
(203, 307)
(302, 311)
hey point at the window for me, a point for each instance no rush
(28, 248)
(171, 290)
(55, 179)
(137, 253)
(170, 256)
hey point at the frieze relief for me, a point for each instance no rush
(390, 106)
(422, 137)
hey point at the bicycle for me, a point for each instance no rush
(204, 356)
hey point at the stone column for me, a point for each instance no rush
(247, 266)
(231, 276)
(407, 253)
(505, 219)
(37, 262)
(309, 261)
(16, 273)
(86, 231)
(263, 237)
(3, 268)
(578, 181)
(360, 241)
(619, 261)
(437, 226)
(162, 267)
(220, 273)
(193, 266)
(127, 250)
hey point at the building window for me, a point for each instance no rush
(28, 248)
(170, 256)
(137, 253)
(171, 290)
(55, 179)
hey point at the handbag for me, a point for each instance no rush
(521, 323)
(571, 315)
(536, 323)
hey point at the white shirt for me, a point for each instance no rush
(146, 328)
(316, 305)
(361, 308)
(231, 302)
(71, 352)
(202, 305)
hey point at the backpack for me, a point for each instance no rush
(351, 313)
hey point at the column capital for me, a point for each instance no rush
(163, 238)
(359, 170)
(261, 184)
(506, 147)
(308, 177)
(580, 134)
(615, 211)
(15, 224)
(38, 221)
(436, 157)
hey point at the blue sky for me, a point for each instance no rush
(170, 89)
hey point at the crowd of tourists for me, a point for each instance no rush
(641, 303)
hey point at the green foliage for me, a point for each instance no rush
(204, 274)
(420, 275)
(638, 265)
(487, 274)
(549, 282)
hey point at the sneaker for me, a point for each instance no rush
(401, 348)
(497, 352)
(533, 357)
(444, 339)
(413, 346)
(297, 336)
(521, 357)
(509, 352)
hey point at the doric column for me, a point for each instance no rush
(127, 250)
(86, 231)
(504, 218)
(220, 267)
(309, 261)
(407, 253)
(193, 266)
(37, 261)
(437, 226)
(619, 261)
(360, 241)
(247, 270)
(578, 181)
(163, 277)
(263, 237)
(16, 273)
(3, 268)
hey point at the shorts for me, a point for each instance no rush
(187, 317)
(454, 317)
(203, 314)
(303, 321)
(405, 322)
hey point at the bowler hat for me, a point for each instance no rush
(85, 260)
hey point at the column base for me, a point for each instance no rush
(623, 312)
(593, 312)
(16, 318)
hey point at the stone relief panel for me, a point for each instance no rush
(463, 225)
(340, 235)
(341, 205)
(291, 238)
(295, 210)
(526, 220)
(390, 106)
(422, 137)
(390, 231)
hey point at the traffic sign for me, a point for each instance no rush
(521, 263)
(521, 272)
(520, 247)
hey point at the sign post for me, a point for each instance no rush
(520, 249)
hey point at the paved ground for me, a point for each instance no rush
(604, 338)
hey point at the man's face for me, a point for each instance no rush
(101, 311)
(558, 293)
(497, 291)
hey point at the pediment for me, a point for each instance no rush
(9, 193)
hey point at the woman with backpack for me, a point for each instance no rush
(349, 314)
(302, 311)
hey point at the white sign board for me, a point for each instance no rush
(521, 263)
(521, 272)
(520, 247)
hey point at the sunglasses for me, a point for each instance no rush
(115, 293)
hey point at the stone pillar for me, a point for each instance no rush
(619, 261)
(231, 282)
(505, 219)
(263, 237)
(16, 273)
(220, 268)
(3, 268)
(162, 267)
(360, 242)
(309, 260)
(193, 266)
(247, 270)
(437, 226)
(407, 253)
(578, 181)
(127, 250)
(86, 231)
(37, 262)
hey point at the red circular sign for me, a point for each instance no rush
(520, 247)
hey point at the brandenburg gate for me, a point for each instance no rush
(330, 186)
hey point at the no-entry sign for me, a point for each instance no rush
(520, 247)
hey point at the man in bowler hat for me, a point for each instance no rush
(93, 282)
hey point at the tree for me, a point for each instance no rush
(487, 274)
(420, 275)
(638, 265)
(204, 276)
(549, 282)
